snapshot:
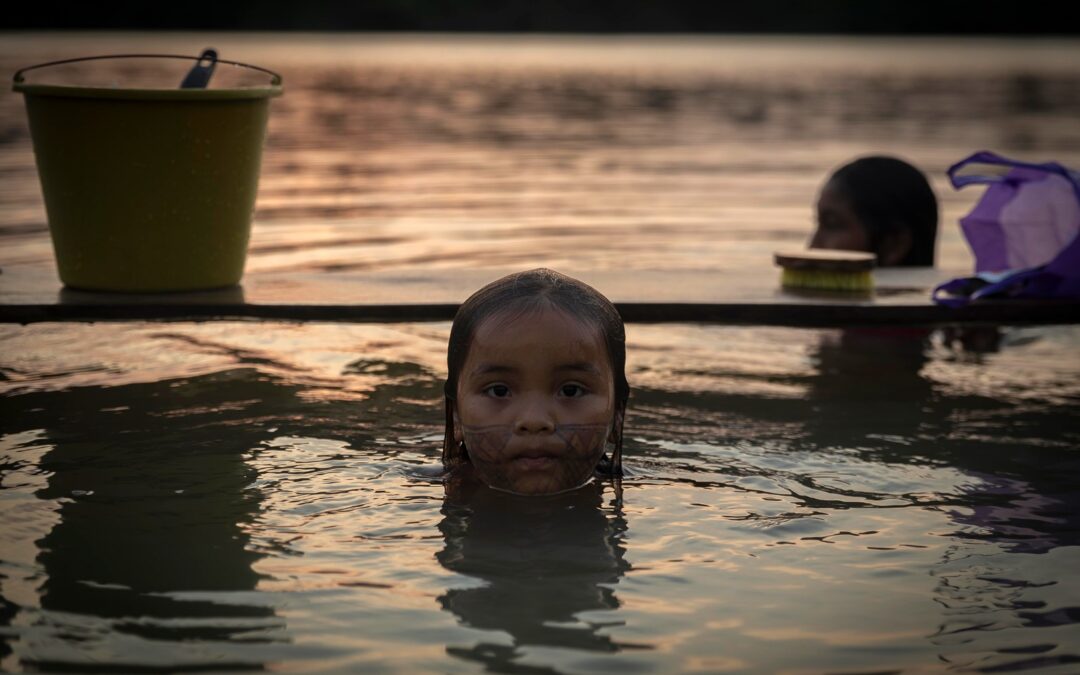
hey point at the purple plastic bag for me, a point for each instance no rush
(1023, 232)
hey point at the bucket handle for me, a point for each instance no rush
(275, 79)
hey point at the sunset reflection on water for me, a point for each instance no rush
(263, 495)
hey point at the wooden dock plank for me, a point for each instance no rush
(30, 294)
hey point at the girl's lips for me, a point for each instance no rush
(549, 450)
(537, 462)
(536, 458)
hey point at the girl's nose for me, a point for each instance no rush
(534, 416)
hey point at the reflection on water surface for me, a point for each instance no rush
(240, 496)
(850, 501)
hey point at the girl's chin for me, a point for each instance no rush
(538, 485)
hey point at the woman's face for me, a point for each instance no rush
(535, 401)
(838, 227)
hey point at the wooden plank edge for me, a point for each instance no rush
(745, 314)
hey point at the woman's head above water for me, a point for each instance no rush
(881, 205)
(536, 386)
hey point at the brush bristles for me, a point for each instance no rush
(828, 280)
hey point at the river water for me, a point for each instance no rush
(238, 496)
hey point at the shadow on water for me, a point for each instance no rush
(157, 503)
(155, 495)
(1018, 454)
(871, 395)
(544, 563)
(1011, 473)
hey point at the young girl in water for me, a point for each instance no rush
(536, 388)
(882, 205)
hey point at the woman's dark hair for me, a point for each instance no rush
(521, 293)
(888, 194)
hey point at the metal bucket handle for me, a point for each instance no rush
(275, 79)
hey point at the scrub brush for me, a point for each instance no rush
(827, 270)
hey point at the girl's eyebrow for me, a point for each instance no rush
(489, 368)
(498, 368)
(582, 366)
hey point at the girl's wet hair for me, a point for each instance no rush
(888, 194)
(519, 294)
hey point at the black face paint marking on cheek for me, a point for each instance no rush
(582, 438)
(487, 442)
(489, 449)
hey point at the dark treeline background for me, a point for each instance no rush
(875, 17)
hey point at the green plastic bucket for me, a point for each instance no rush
(148, 187)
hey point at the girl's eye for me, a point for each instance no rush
(572, 390)
(497, 390)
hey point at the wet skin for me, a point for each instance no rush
(838, 227)
(535, 402)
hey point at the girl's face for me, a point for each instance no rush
(535, 401)
(838, 227)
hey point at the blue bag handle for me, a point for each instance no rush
(959, 292)
(987, 157)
